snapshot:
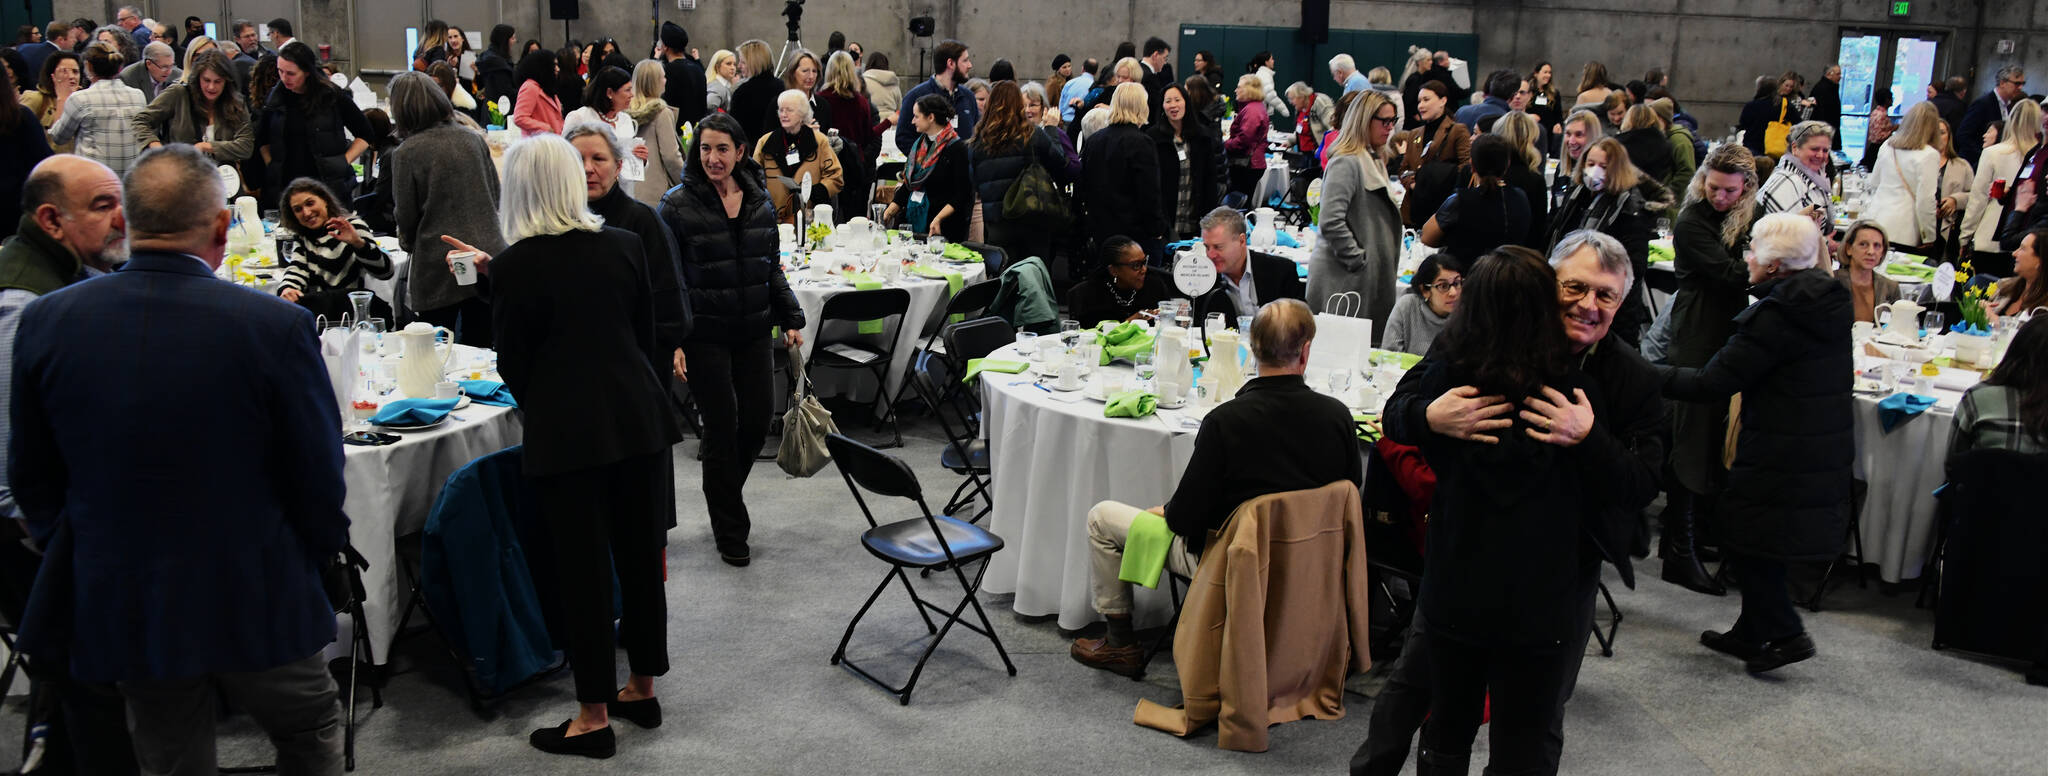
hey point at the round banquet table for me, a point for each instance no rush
(392, 487)
(1901, 470)
(1053, 456)
(928, 297)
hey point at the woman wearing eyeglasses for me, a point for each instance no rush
(1360, 245)
(1121, 290)
(1420, 314)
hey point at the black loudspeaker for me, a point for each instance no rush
(572, 9)
(923, 26)
(1315, 21)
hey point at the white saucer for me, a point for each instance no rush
(1054, 385)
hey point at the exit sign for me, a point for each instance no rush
(1901, 8)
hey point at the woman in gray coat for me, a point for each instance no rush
(1360, 245)
(443, 185)
(663, 152)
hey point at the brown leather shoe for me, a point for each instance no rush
(1097, 653)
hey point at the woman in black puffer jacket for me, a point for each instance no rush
(725, 229)
(1195, 145)
(1005, 144)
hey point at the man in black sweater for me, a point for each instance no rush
(1628, 423)
(685, 91)
(1277, 435)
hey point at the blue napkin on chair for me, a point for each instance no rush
(413, 412)
(489, 392)
(1901, 407)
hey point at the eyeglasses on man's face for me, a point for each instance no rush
(1574, 291)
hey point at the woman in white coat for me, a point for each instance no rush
(1999, 162)
(1360, 247)
(1908, 176)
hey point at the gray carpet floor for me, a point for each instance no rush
(751, 690)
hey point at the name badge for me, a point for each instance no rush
(792, 159)
(1542, 100)
(917, 197)
(1181, 152)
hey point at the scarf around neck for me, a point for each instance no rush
(924, 154)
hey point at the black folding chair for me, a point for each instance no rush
(1175, 583)
(343, 579)
(930, 542)
(970, 303)
(993, 258)
(872, 352)
(964, 453)
(969, 340)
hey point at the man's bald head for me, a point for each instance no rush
(175, 202)
(77, 202)
(1280, 336)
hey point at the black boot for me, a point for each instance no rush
(1675, 546)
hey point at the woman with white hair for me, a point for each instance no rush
(794, 149)
(575, 340)
(1787, 495)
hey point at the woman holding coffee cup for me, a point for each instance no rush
(443, 183)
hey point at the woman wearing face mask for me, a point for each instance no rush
(1709, 240)
(1863, 248)
(1420, 314)
(202, 111)
(1611, 196)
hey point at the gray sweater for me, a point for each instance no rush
(1412, 327)
(443, 183)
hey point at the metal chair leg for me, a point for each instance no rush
(840, 654)
(1613, 624)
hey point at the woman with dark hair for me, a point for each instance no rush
(1121, 288)
(2009, 409)
(201, 110)
(2026, 289)
(1611, 195)
(1209, 69)
(537, 110)
(1510, 576)
(937, 189)
(101, 117)
(1766, 105)
(120, 40)
(22, 146)
(1487, 213)
(569, 82)
(725, 232)
(1787, 492)
(609, 92)
(301, 130)
(444, 183)
(17, 66)
(495, 75)
(26, 34)
(1420, 314)
(1545, 104)
(1005, 144)
(461, 57)
(1204, 100)
(1427, 158)
(53, 88)
(336, 249)
(1001, 71)
(529, 47)
(1191, 165)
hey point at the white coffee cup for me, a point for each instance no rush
(1111, 384)
(447, 390)
(1863, 330)
(1070, 378)
(1170, 393)
(463, 264)
(1208, 389)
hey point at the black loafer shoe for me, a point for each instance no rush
(645, 712)
(1728, 644)
(1780, 653)
(739, 560)
(598, 744)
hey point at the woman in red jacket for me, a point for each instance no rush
(1246, 145)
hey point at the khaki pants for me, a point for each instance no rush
(1109, 526)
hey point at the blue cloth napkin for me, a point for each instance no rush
(413, 412)
(1901, 407)
(489, 392)
(1287, 240)
(1176, 247)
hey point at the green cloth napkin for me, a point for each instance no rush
(1123, 342)
(954, 282)
(1661, 255)
(1360, 424)
(1121, 334)
(976, 366)
(1920, 271)
(1129, 404)
(958, 252)
(1145, 550)
(863, 281)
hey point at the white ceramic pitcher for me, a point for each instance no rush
(1905, 317)
(420, 362)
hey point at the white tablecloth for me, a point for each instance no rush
(927, 298)
(1053, 460)
(392, 487)
(1902, 470)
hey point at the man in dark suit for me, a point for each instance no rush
(1158, 74)
(156, 72)
(1951, 99)
(247, 49)
(1244, 280)
(161, 577)
(56, 33)
(2011, 88)
(685, 91)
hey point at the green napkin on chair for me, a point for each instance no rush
(863, 281)
(1145, 550)
(1123, 342)
(954, 282)
(1130, 404)
(976, 366)
(958, 252)
(1920, 271)
(1660, 254)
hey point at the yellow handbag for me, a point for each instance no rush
(1776, 132)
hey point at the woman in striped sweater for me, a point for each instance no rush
(335, 251)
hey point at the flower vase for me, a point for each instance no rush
(1973, 348)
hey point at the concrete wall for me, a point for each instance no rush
(1714, 49)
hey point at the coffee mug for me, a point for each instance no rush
(447, 390)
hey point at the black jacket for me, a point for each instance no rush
(1272, 278)
(306, 139)
(576, 344)
(1119, 188)
(1649, 150)
(1530, 183)
(1982, 112)
(737, 291)
(1951, 108)
(1300, 440)
(685, 91)
(1510, 560)
(753, 105)
(1827, 106)
(1788, 492)
(1155, 87)
(495, 77)
(664, 276)
(949, 183)
(1205, 181)
(993, 174)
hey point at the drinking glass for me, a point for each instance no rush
(1934, 322)
(875, 214)
(935, 246)
(1214, 324)
(1070, 333)
(1142, 361)
(1340, 381)
(372, 330)
(1027, 343)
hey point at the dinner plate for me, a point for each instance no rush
(436, 424)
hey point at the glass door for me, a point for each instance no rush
(1898, 64)
(1858, 58)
